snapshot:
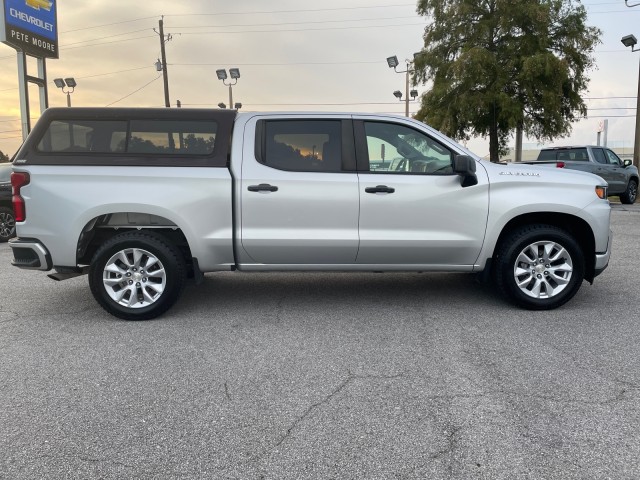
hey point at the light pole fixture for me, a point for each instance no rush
(412, 93)
(68, 83)
(631, 41)
(234, 73)
(393, 63)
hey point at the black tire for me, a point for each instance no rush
(7, 224)
(630, 194)
(533, 284)
(140, 299)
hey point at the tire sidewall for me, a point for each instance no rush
(8, 211)
(627, 197)
(153, 243)
(516, 244)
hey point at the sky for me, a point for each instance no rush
(292, 54)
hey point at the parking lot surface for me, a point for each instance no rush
(306, 375)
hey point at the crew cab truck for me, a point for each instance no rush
(141, 199)
(621, 175)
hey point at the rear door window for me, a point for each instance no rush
(303, 145)
(599, 156)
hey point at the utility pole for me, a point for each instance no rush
(163, 54)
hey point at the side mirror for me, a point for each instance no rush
(627, 163)
(465, 166)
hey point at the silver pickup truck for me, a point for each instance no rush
(142, 199)
(621, 175)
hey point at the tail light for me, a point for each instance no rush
(19, 180)
(560, 164)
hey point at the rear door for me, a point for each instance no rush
(618, 182)
(299, 200)
(413, 210)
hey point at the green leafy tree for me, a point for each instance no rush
(3, 157)
(497, 65)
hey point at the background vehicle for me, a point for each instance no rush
(142, 198)
(7, 219)
(621, 176)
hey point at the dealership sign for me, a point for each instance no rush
(30, 26)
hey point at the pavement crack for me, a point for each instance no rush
(226, 391)
(11, 316)
(315, 406)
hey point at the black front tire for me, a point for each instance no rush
(630, 194)
(120, 284)
(539, 267)
(7, 224)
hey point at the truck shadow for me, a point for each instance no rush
(317, 292)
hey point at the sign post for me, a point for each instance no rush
(31, 27)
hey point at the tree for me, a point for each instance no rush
(3, 157)
(497, 65)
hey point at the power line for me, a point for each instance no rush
(110, 24)
(135, 91)
(303, 29)
(290, 11)
(295, 23)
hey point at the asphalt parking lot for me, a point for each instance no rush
(288, 376)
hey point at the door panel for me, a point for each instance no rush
(429, 220)
(413, 209)
(294, 212)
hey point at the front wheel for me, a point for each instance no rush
(539, 267)
(630, 194)
(137, 275)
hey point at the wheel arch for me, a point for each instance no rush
(575, 226)
(105, 226)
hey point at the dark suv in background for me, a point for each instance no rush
(7, 219)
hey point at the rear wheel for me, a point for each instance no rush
(539, 267)
(630, 194)
(137, 275)
(7, 224)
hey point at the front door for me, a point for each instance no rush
(413, 210)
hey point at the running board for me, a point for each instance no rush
(65, 273)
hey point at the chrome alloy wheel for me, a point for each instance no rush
(7, 225)
(134, 278)
(543, 269)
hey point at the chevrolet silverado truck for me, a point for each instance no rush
(142, 199)
(621, 175)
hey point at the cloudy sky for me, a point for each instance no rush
(292, 55)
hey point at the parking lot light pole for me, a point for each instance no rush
(69, 83)
(393, 63)
(631, 41)
(234, 73)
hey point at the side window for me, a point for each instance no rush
(395, 148)
(598, 154)
(613, 158)
(170, 137)
(303, 145)
(82, 136)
